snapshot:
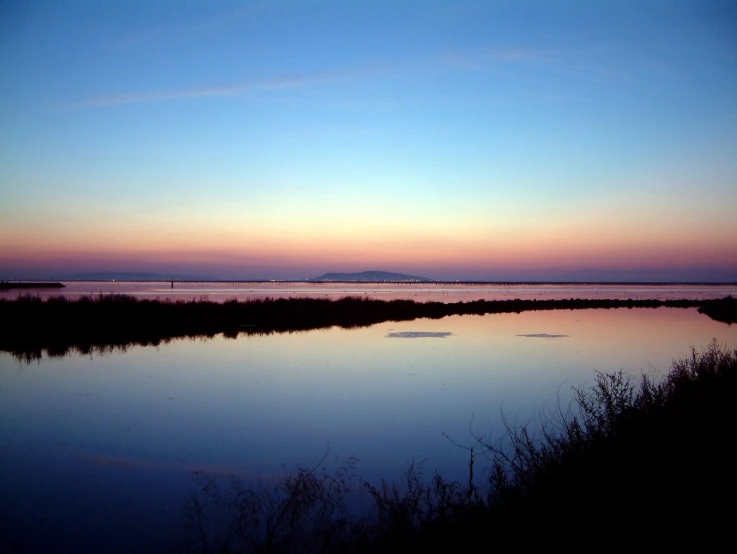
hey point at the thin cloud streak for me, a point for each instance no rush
(453, 61)
(479, 58)
(265, 85)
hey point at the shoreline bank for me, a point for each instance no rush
(57, 325)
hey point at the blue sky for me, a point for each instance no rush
(283, 139)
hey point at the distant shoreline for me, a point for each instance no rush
(60, 282)
(31, 285)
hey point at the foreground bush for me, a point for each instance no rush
(631, 463)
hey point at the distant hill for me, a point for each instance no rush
(124, 276)
(370, 276)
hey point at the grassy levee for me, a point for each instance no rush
(724, 309)
(638, 464)
(29, 325)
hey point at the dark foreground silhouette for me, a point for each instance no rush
(29, 326)
(632, 464)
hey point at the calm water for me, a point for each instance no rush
(99, 451)
(220, 292)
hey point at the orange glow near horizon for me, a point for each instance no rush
(413, 241)
(305, 233)
(335, 253)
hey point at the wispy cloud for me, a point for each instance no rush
(478, 58)
(453, 61)
(226, 90)
(255, 85)
(569, 61)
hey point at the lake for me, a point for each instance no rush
(99, 451)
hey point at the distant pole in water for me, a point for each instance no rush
(172, 283)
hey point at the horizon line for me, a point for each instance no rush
(370, 282)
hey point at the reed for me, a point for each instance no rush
(30, 326)
(631, 463)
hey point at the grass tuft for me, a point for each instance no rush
(631, 462)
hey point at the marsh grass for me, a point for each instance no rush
(30, 327)
(630, 462)
(304, 511)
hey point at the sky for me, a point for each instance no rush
(282, 139)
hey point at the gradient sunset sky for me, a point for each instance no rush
(280, 139)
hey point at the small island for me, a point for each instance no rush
(370, 277)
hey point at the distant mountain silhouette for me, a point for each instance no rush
(370, 276)
(124, 276)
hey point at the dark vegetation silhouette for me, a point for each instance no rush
(724, 310)
(631, 463)
(29, 326)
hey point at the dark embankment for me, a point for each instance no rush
(634, 464)
(29, 325)
(724, 310)
(7, 286)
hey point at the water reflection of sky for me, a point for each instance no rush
(111, 440)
